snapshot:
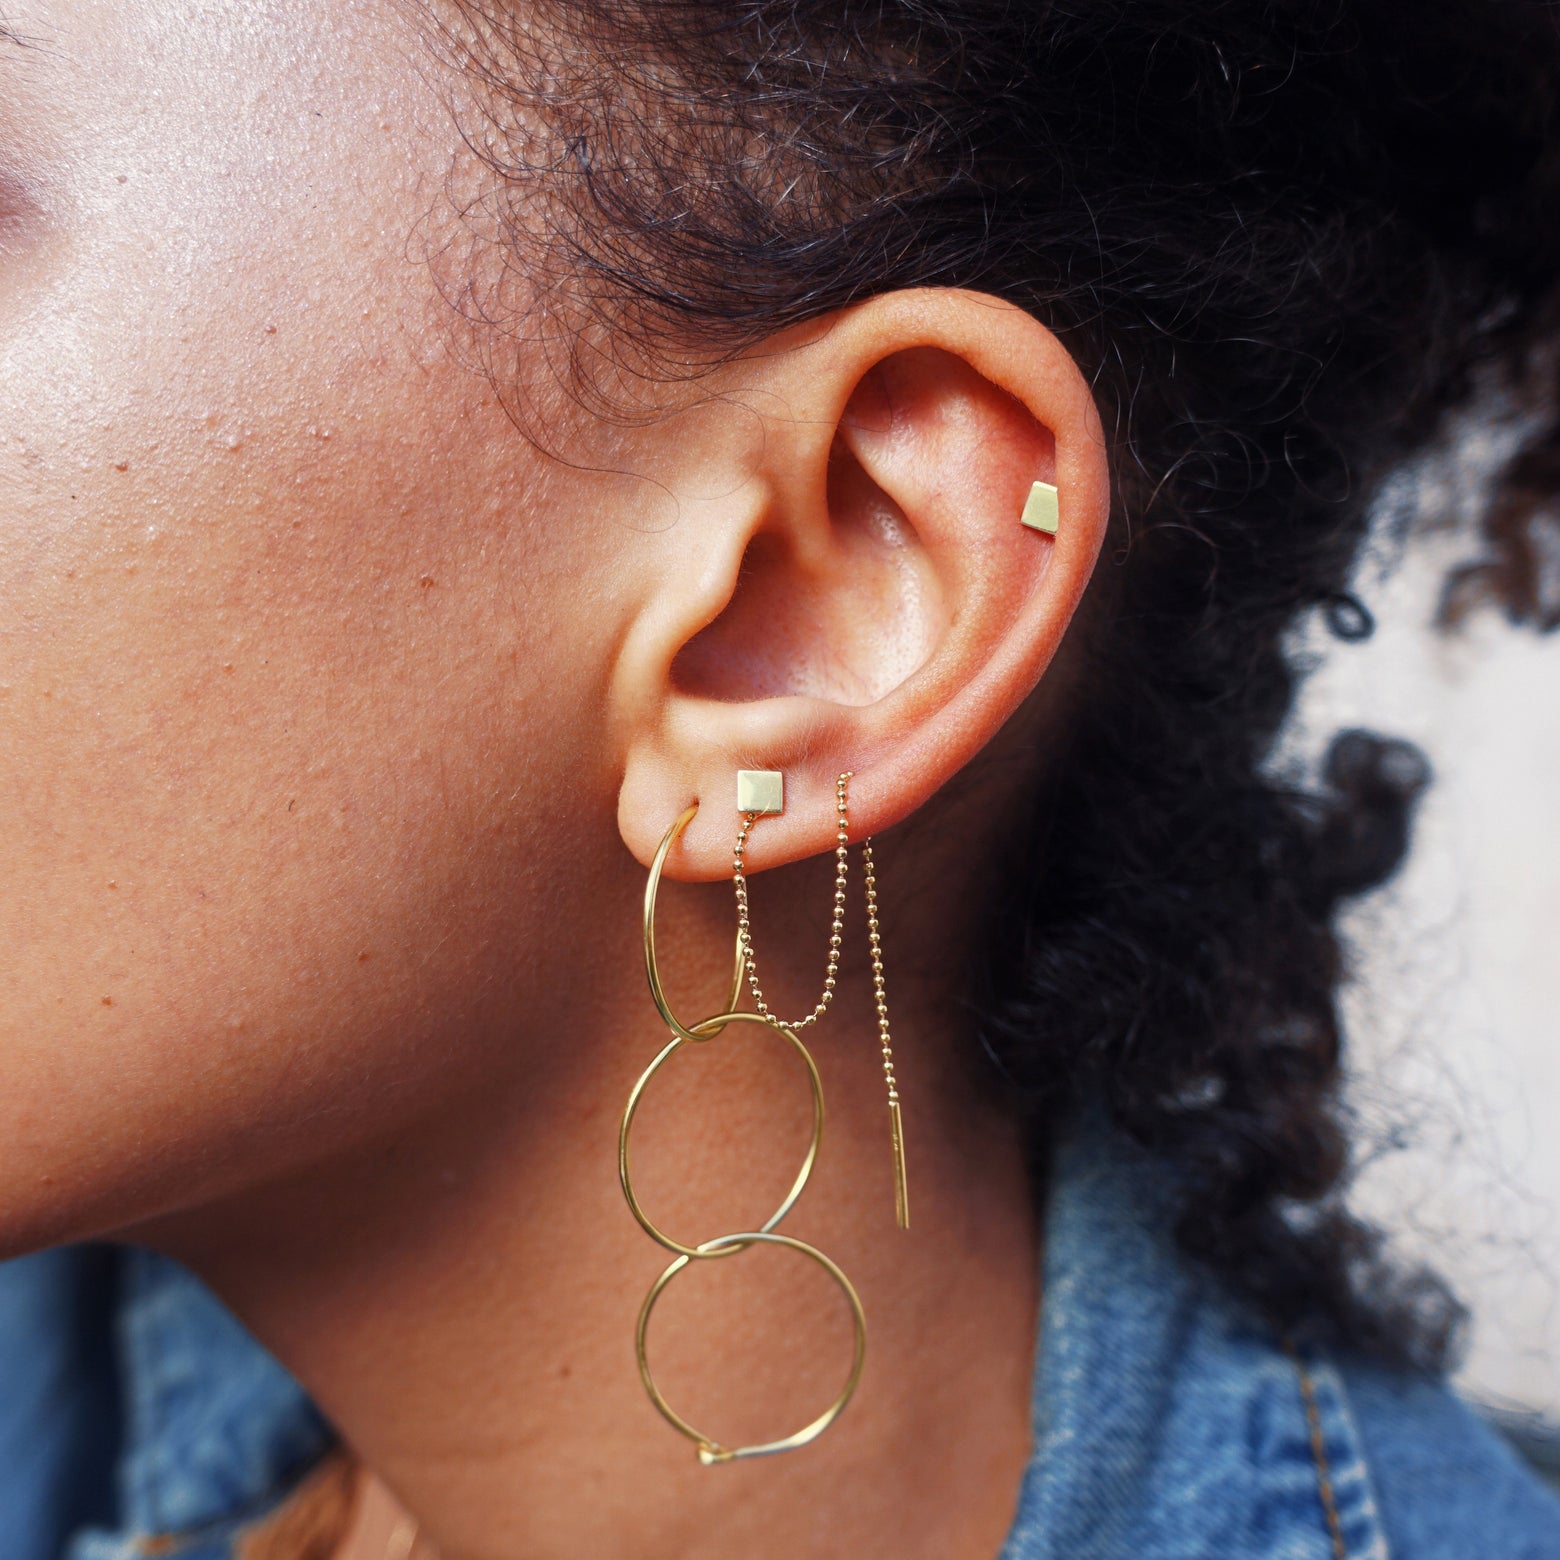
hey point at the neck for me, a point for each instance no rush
(460, 1296)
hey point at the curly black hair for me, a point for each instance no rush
(1281, 236)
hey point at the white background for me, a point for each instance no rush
(1453, 1021)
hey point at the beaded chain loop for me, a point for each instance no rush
(744, 930)
(746, 963)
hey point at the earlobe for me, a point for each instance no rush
(894, 601)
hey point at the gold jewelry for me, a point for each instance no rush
(1040, 508)
(744, 929)
(760, 792)
(711, 1451)
(746, 959)
(896, 1129)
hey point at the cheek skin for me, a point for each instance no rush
(283, 647)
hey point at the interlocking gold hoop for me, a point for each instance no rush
(677, 1042)
(652, 970)
(711, 1451)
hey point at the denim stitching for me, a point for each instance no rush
(1354, 1518)
(1313, 1420)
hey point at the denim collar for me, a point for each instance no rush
(1168, 1422)
(216, 1432)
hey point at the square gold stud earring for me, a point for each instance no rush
(1040, 510)
(760, 791)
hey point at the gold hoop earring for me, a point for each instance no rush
(711, 1451)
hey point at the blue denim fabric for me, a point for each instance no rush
(1168, 1422)
(58, 1399)
(208, 1431)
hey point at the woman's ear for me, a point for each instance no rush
(865, 595)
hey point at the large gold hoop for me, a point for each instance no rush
(712, 1452)
(721, 1020)
(652, 970)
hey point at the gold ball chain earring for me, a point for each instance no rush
(745, 958)
(761, 792)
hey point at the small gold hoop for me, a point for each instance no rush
(711, 1452)
(703, 1031)
(719, 1022)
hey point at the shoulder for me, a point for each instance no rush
(1446, 1483)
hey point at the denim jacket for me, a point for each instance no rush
(137, 1417)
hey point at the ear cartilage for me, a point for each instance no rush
(1040, 508)
(760, 791)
